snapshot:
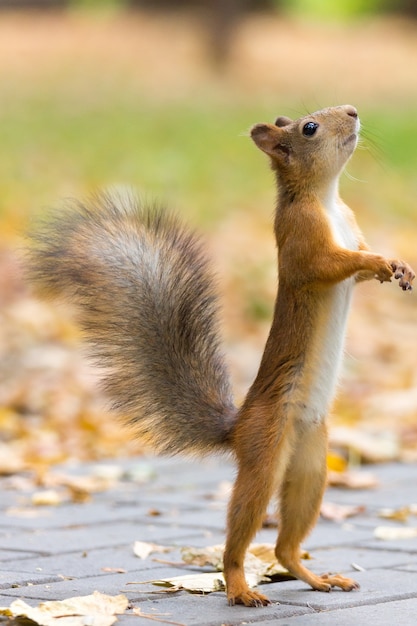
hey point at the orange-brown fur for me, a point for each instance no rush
(278, 453)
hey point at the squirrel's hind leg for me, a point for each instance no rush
(300, 499)
(246, 511)
(255, 485)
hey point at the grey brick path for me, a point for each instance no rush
(64, 551)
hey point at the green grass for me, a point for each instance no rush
(195, 156)
(329, 9)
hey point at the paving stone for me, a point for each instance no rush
(96, 562)
(212, 610)
(380, 585)
(61, 541)
(136, 585)
(344, 559)
(71, 550)
(72, 515)
(386, 614)
(7, 555)
(10, 579)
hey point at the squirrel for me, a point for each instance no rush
(147, 303)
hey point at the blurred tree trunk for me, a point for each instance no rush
(402, 7)
(221, 18)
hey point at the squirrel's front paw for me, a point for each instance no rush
(383, 270)
(403, 273)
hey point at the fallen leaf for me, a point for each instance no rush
(143, 549)
(260, 560)
(114, 570)
(260, 566)
(49, 497)
(10, 461)
(352, 480)
(154, 512)
(336, 462)
(387, 533)
(339, 512)
(212, 555)
(97, 608)
(195, 583)
(399, 515)
(371, 447)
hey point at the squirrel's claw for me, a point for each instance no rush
(404, 274)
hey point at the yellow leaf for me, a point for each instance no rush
(399, 515)
(335, 462)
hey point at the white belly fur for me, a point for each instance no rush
(324, 357)
(323, 360)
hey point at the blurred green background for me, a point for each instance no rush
(103, 92)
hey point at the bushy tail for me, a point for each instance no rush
(146, 302)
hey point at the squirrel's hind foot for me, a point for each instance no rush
(327, 581)
(248, 598)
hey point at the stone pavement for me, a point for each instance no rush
(53, 553)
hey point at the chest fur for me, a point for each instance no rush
(324, 353)
(342, 230)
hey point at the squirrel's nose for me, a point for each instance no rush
(351, 110)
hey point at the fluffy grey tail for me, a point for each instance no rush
(146, 303)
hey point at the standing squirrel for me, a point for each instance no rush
(148, 308)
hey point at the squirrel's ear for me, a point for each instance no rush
(283, 121)
(272, 140)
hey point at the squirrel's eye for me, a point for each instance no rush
(309, 129)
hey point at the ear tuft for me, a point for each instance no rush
(283, 121)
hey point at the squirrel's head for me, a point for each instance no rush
(313, 149)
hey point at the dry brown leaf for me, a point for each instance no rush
(152, 512)
(260, 566)
(260, 560)
(339, 512)
(212, 555)
(98, 608)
